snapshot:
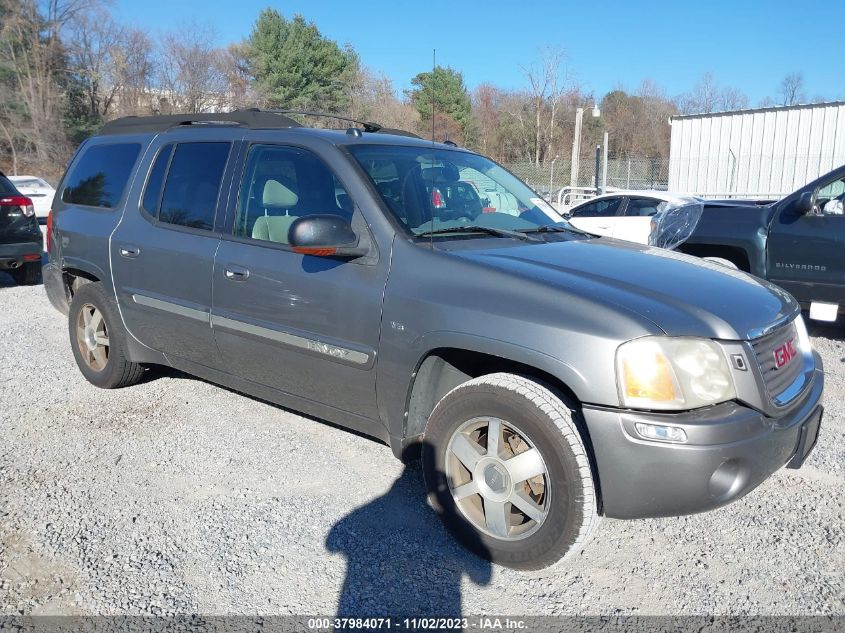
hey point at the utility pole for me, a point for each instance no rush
(576, 147)
(598, 166)
(604, 166)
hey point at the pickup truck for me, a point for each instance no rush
(20, 238)
(796, 242)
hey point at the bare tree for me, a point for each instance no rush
(97, 43)
(791, 89)
(707, 96)
(191, 74)
(374, 98)
(548, 82)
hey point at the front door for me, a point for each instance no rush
(806, 253)
(599, 216)
(305, 325)
(162, 252)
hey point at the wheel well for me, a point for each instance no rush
(446, 368)
(74, 278)
(732, 253)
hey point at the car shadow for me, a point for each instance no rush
(826, 330)
(400, 560)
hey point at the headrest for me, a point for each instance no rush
(277, 195)
(447, 174)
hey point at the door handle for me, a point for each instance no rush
(604, 226)
(236, 273)
(129, 251)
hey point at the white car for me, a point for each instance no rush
(38, 190)
(628, 215)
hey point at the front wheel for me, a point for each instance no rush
(507, 470)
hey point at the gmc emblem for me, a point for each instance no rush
(784, 353)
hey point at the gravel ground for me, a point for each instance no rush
(179, 496)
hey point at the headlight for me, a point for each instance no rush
(658, 372)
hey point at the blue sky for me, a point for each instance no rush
(748, 45)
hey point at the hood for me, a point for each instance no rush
(682, 295)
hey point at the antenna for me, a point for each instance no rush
(433, 100)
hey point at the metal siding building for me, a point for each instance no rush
(763, 153)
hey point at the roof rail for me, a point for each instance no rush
(253, 118)
(369, 126)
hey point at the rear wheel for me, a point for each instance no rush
(28, 274)
(508, 472)
(99, 340)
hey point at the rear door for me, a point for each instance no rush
(635, 223)
(307, 326)
(162, 252)
(599, 216)
(806, 253)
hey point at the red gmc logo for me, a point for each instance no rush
(784, 353)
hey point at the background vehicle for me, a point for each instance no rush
(549, 376)
(20, 237)
(634, 216)
(797, 242)
(38, 190)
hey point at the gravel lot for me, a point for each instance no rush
(179, 496)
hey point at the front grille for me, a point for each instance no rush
(778, 380)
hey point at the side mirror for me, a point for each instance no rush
(804, 204)
(324, 236)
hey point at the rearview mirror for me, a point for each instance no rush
(324, 236)
(804, 204)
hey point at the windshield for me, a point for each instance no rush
(430, 189)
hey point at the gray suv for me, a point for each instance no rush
(421, 294)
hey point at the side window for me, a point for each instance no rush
(281, 184)
(639, 207)
(193, 184)
(599, 208)
(152, 192)
(100, 177)
(830, 199)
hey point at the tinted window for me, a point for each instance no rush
(152, 192)
(284, 183)
(6, 186)
(598, 209)
(99, 178)
(193, 184)
(641, 207)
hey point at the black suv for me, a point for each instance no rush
(20, 238)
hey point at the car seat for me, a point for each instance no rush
(273, 226)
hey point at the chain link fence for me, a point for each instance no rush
(622, 173)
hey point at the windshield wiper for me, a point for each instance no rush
(474, 228)
(555, 228)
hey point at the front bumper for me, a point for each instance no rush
(731, 449)
(17, 253)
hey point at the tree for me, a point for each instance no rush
(191, 74)
(707, 96)
(546, 89)
(791, 88)
(373, 98)
(443, 89)
(294, 66)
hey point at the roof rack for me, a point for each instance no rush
(252, 118)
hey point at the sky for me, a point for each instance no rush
(609, 44)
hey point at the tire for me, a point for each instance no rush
(107, 366)
(29, 274)
(563, 498)
(722, 262)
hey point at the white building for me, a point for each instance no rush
(760, 153)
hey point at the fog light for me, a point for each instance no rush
(660, 432)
